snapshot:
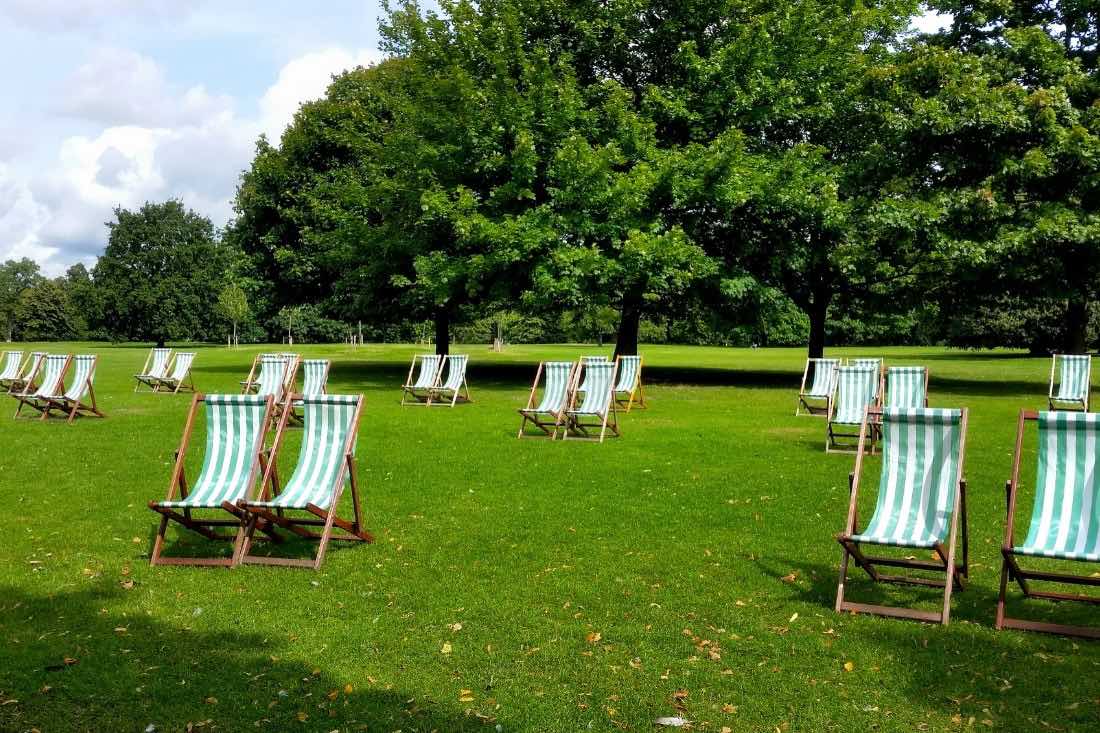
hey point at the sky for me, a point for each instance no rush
(117, 102)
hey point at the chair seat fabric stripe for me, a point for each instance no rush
(456, 372)
(824, 371)
(905, 387)
(1073, 384)
(555, 376)
(856, 390)
(598, 395)
(628, 373)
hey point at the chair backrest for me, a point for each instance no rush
(866, 361)
(12, 361)
(1073, 382)
(905, 386)
(1065, 519)
(429, 371)
(921, 470)
(629, 366)
(329, 424)
(234, 437)
(598, 395)
(182, 365)
(34, 363)
(555, 391)
(314, 376)
(824, 374)
(83, 374)
(159, 366)
(53, 373)
(856, 390)
(272, 376)
(456, 371)
(585, 361)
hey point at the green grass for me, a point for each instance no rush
(673, 546)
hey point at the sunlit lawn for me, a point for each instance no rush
(687, 569)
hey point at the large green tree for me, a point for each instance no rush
(16, 276)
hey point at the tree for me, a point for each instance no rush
(160, 275)
(233, 305)
(16, 276)
(45, 314)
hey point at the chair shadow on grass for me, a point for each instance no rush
(71, 664)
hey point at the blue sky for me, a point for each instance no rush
(117, 102)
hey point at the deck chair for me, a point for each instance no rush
(12, 368)
(547, 414)
(628, 389)
(155, 368)
(598, 409)
(50, 385)
(180, 378)
(314, 383)
(231, 466)
(79, 398)
(451, 390)
(249, 383)
(1065, 515)
(28, 375)
(921, 501)
(857, 388)
(326, 463)
(866, 361)
(271, 379)
(1073, 382)
(427, 380)
(906, 387)
(587, 360)
(816, 399)
(294, 363)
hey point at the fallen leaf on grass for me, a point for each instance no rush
(672, 721)
(792, 577)
(593, 637)
(848, 667)
(466, 696)
(446, 648)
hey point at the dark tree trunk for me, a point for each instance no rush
(442, 331)
(160, 342)
(626, 342)
(817, 311)
(1077, 322)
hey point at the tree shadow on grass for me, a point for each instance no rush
(71, 664)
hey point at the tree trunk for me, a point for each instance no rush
(626, 342)
(818, 311)
(442, 331)
(160, 342)
(1077, 322)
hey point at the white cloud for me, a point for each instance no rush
(65, 15)
(21, 217)
(931, 21)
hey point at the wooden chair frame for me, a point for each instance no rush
(408, 390)
(813, 410)
(456, 397)
(945, 557)
(326, 519)
(529, 414)
(71, 408)
(638, 391)
(42, 404)
(1051, 401)
(202, 525)
(174, 386)
(882, 386)
(609, 420)
(1011, 570)
(153, 383)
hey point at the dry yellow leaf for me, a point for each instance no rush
(446, 647)
(848, 666)
(593, 637)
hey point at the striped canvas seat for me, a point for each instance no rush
(272, 379)
(628, 373)
(429, 371)
(51, 384)
(158, 365)
(869, 361)
(597, 397)
(181, 368)
(234, 437)
(555, 389)
(589, 360)
(1073, 381)
(856, 390)
(905, 387)
(29, 374)
(456, 374)
(12, 361)
(824, 373)
(1065, 518)
(920, 474)
(83, 374)
(328, 423)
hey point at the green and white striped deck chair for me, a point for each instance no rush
(79, 398)
(816, 399)
(180, 378)
(921, 498)
(427, 379)
(12, 368)
(326, 463)
(598, 410)
(155, 368)
(314, 383)
(294, 362)
(866, 361)
(1073, 382)
(50, 387)
(906, 387)
(231, 468)
(455, 388)
(582, 375)
(251, 382)
(1065, 513)
(857, 388)
(28, 377)
(272, 378)
(547, 414)
(628, 388)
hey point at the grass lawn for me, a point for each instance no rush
(688, 568)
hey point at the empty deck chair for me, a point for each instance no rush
(272, 378)
(857, 388)
(28, 375)
(581, 374)
(598, 410)
(421, 391)
(326, 463)
(155, 368)
(314, 384)
(1073, 382)
(79, 398)
(1065, 515)
(921, 500)
(906, 387)
(249, 383)
(231, 467)
(866, 361)
(628, 388)
(547, 414)
(180, 379)
(816, 399)
(455, 388)
(50, 384)
(11, 369)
